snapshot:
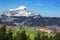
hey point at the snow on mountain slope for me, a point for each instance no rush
(20, 11)
(11, 9)
(21, 8)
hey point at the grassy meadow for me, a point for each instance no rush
(30, 33)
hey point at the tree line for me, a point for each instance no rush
(4, 35)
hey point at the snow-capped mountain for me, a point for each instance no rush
(22, 16)
(20, 11)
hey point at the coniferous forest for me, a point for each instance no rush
(22, 34)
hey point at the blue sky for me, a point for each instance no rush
(49, 8)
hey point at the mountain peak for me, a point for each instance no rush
(20, 11)
(21, 8)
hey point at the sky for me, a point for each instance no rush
(48, 8)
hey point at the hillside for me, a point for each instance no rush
(24, 17)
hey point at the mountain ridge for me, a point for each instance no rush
(22, 16)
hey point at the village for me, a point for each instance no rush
(40, 29)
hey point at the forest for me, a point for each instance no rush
(25, 34)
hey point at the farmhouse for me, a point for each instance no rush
(44, 29)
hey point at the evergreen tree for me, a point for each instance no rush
(51, 38)
(9, 35)
(28, 37)
(18, 37)
(23, 35)
(38, 36)
(35, 38)
(3, 32)
(44, 37)
(57, 37)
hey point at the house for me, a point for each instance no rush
(44, 29)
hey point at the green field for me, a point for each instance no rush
(32, 33)
(29, 31)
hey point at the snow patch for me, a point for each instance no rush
(21, 8)
(11, 9)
